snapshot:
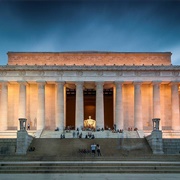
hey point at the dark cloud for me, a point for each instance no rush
(102, 25)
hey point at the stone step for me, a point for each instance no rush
(12, 134)
(90, 167)
(97, 134)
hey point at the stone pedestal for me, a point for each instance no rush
(156, 142)
(23, 139)
(155, 139)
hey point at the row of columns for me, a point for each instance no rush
(138, 122)
(79, 117)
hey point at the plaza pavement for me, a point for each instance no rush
(98, 176)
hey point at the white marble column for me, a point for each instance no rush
(41, 106)
(99, 105)
(119, 121)
(22, 100)
(4, 105)
(175, 105)
(156, 100)
(79, 105)
(138, 123)
(60, 105)
(65, 123)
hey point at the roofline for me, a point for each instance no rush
(91, 52)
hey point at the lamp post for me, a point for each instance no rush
(22, 122)
(156, 124)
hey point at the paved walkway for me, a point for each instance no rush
(89, 176)
(89, 162)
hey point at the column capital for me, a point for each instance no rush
(79, 83)
(174, 83)
(137, 82)
(59, 82)
(4, 82)
(41, 84)
(118, 84)
(99, 83)
(156, 82)
(22, 82)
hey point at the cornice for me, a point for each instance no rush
(89, 68)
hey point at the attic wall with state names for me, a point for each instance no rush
(89, 58)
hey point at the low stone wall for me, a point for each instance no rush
(7, 146)
(171, 146)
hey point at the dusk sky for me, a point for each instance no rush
(90, 25)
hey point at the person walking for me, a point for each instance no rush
(74, 134)
(98, 150)
(28, 127)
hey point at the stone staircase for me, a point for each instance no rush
(70, 149)
(124, 155)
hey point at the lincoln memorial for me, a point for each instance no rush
(65, 89)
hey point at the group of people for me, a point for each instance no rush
(79, 135)
(95, 148)
(89, 136)
(131, 129)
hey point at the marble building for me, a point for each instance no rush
(60, 89)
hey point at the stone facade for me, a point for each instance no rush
(144, 86)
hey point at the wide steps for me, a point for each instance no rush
(90, 167)
(70, 147)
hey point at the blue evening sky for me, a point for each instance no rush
(90, 25)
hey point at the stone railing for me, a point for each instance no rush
(155, 142)
(23, 142)
(23, 138)
(7, 146)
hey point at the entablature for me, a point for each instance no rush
(89, 68)
(88, 73)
